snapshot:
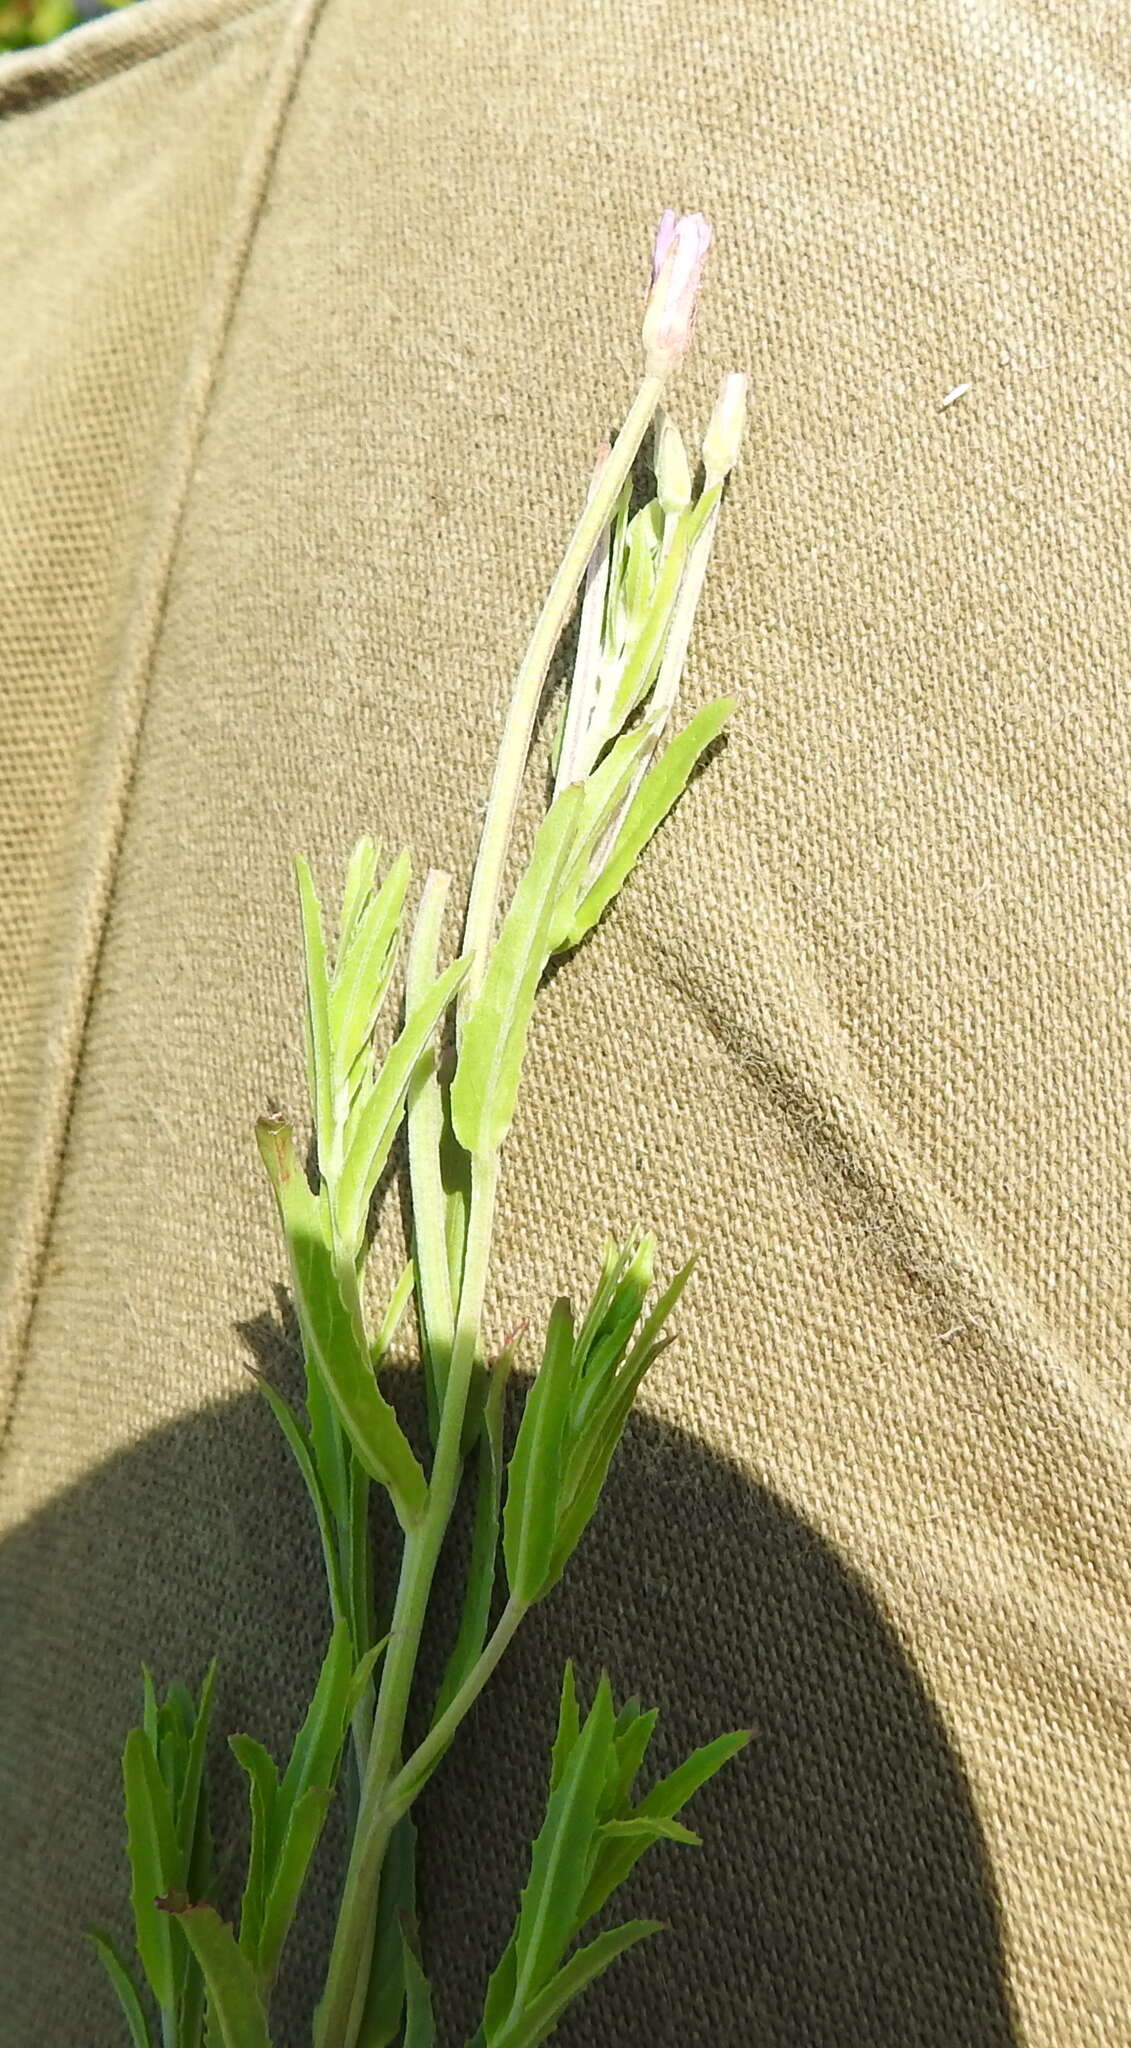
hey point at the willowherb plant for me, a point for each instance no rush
(614, 783)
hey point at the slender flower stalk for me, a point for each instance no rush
(679, 254)
(515, 744)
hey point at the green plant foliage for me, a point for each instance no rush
(591, 1837)
(615, 782)
(575, 1416)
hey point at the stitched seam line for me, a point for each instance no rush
(99, 842)
(112, 46)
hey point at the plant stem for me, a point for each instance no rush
(339, 2013)
(409, 1779)
(515, 745)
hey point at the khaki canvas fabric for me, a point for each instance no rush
(312, 320)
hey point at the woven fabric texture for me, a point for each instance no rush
(291, 299)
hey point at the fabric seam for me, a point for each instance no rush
(111, 774)
(24, 73)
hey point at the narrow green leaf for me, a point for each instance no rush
(548, 1913)
(541, 2015)
(425, 1117)
(149, 1710)
(632, 1741)
(663, 784)
(317, 1013)
(535, 1470)
(318, 1744)
(672, 1793)
(480, 1583)
(235, 2011)
(499, 1999)
(385, 1999)
(263, 1787)
(637, 1826)
(172, 1741)
(569, 1727)
(701, 511)
(156, 1864)
(359, 880)
(598, 1364)
(614, 1260)
(361, 982)
(642, 542)
(615, 609)
(379, 1121)
(305, 1821)
(190, 2010)
(420, 2025)
(642, 666)
(300, 1448)
(304, 1214)
(589, 1463)
(190, 1811)
(591, 1455)
(364, 1673)
(125, 1987)
(494, 1040)
(603, 793)
(357, 1560)
(391, 1320)
(339, 1362)
(617, 1857)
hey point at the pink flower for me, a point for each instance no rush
(680, 251)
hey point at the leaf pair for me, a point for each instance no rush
(170, 1851)
(287, 1816)
(357, 1107)
(590, 1839)
(575, 1415)
(600, 871)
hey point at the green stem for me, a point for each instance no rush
(515, 745)
(339, 2014)
(410, 1778)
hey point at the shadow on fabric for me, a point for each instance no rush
(842, 1894)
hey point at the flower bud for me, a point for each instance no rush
(723, 437)
(673, 472)
(681, 246)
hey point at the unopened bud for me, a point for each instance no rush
(682, 242)
(673, 472)
(723, 437)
